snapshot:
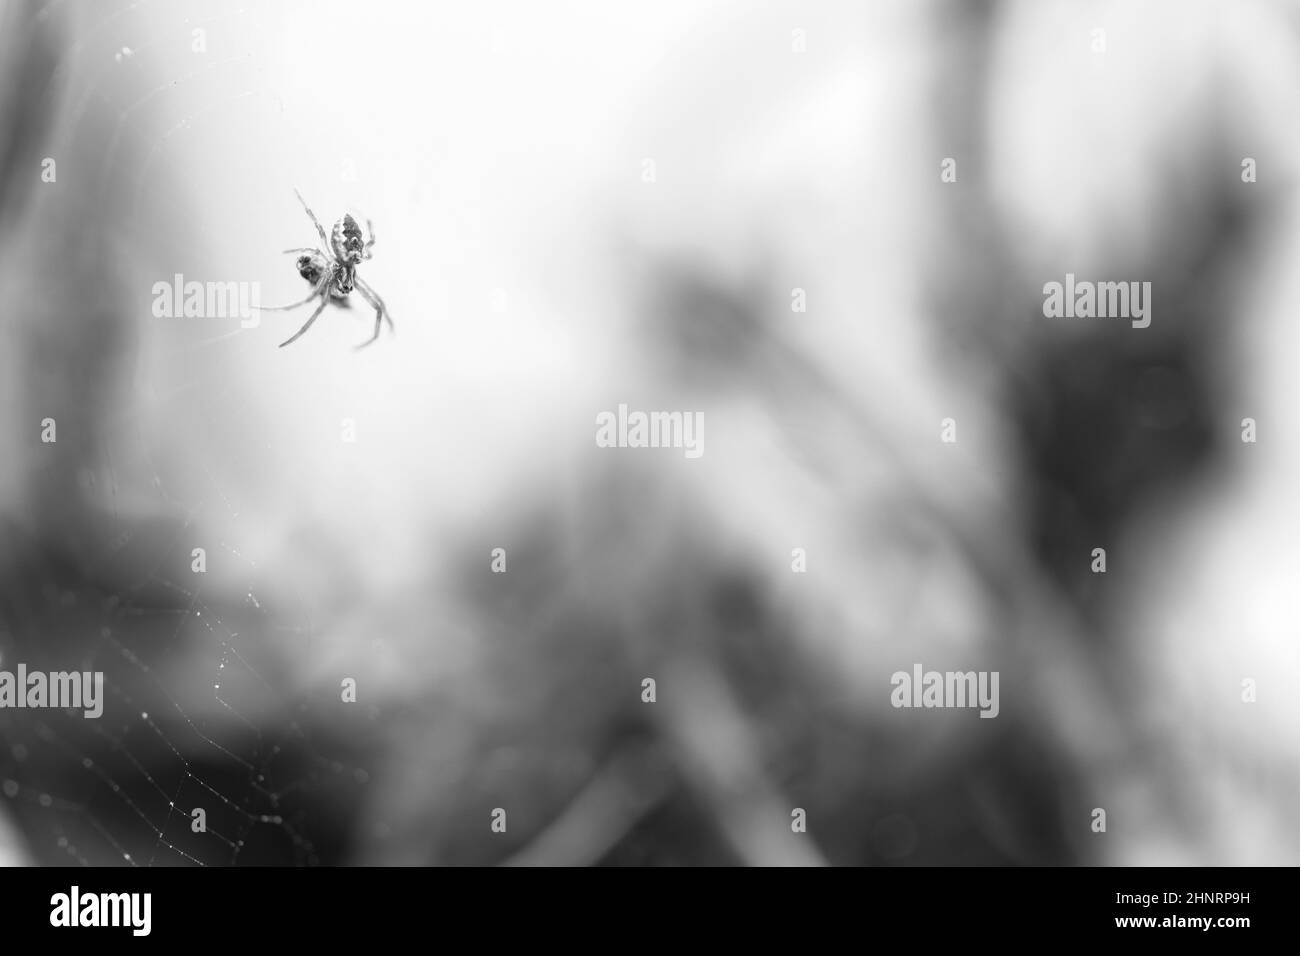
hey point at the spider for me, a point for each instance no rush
(333, 273)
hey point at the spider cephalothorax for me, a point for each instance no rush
(332, 274)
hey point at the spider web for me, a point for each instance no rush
(199, 711)
(223, 687)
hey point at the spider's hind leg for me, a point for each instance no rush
(324, 239)
(370, 231)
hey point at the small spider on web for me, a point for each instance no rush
(333, 273)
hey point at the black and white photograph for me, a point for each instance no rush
(745, 434)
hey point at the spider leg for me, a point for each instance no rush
(380, 312)
(325, 300)
(324, 239)
(304, 250)
(370, 229)
(373, 298)
(285, 308)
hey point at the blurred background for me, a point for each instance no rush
(580, 205)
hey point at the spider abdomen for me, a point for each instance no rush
(348, 239)
(332, 271)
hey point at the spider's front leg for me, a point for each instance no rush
(324, 301)
(381, 311)
(285, 308)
